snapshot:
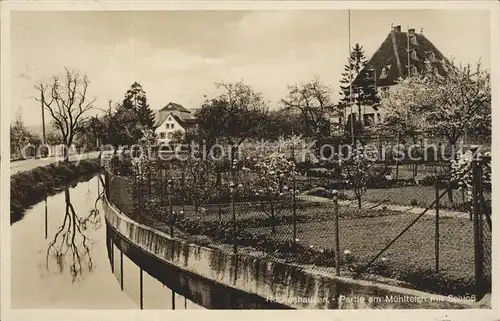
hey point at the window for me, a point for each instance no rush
(169, 135)
(162, 135)
(432, 56)
(428, 66)
(413, 40)
(414, 70)
(172, 125)
(414, 55)
(436, 72)
(444, 65)
(383, 74)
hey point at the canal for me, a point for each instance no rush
(61, 260)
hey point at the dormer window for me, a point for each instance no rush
(431, 55)
(370, 74)
(413, 40)
(436, 72)
(428, 66)
(385, 72)
(414, 54)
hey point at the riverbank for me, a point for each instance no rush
(30, 187)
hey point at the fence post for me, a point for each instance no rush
(121, 270)
(170, 211)
(337, 233)
(436, 236)
(46, 218)
(141, 286)
(233, 211)
(478, 244)
(162, 189)
(219, 187)
(294, 204)
(183, 195)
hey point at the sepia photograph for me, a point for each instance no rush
(249, 158)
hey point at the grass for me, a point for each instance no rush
(30, 187)
(420, 196)
(365, 237)
(364, 233)
(416, 195)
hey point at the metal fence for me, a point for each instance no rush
(432, 248)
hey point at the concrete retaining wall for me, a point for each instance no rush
(290, 285)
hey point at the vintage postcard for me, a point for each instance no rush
(332, 158)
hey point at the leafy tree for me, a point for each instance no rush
(19, 136)
(178, 137)
(363, 92)
(461, 103)
(66, 100)
(135, 99)
(123, 123)
(273, 182)
(356, 169)
(199, 181)
(233, 116)
(54, 138)
(448, 106)
(282, 123)
(461, 172)
(402, 106)
(313, 101)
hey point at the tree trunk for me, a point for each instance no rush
(450, 187)
(273, 219)
(359, 202)
(66, 154)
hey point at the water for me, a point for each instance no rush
(60, 260)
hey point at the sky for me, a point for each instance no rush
(178, 55)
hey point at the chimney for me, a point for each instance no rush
(396, 28)
(411, 32)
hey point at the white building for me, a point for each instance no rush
(173, 119)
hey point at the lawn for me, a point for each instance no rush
(420, 196)
(365, 237)
(364, 233)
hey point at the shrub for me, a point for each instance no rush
(377, 181)
(30, 187)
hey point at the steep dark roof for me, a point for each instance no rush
(393, 55)
(174, 106)
(186, 123)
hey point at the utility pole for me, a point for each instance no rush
(43, 119)
(350, 76)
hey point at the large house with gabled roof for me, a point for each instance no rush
(401, 54)
(171, 119)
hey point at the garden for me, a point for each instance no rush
(258, 204)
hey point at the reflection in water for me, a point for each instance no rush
(71, 264)
(64, 233)
(46, 228)
(70, 244)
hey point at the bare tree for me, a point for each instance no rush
(70, 242)
(313, 101)
(65, 98)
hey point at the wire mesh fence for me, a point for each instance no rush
(431, 248)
